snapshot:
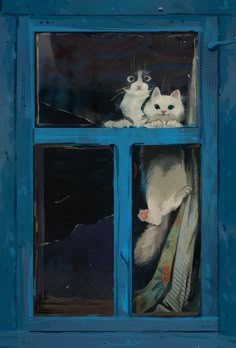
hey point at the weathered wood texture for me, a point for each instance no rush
(227, 171)
(24, 172)
(133, 324)
(94, 340)
(209, 181)
(227, 186)
(118, 7)
(7, 173)
(107, 136)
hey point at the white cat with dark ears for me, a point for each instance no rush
(164, 110)
(135, 95)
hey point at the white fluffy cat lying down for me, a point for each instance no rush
(157, 111)
(164, 110)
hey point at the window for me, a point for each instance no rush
(79, 182)
(73, 243)
(82, 77)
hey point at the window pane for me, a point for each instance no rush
(166, 238)
(138, 79)
(74, 230)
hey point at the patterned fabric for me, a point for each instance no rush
(170, 286)
(145, 299)
(178, 295)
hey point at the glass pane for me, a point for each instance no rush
(73, 230)
(117, 79)
(166, 238)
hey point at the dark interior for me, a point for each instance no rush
(81, 73)
(74, 230)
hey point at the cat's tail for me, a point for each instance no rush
(149, 244)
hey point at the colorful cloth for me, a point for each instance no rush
(146, 298)
(170, 286)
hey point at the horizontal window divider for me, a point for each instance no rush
(108, 136)
(93, 324)
(115, 23)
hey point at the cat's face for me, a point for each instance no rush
(138, 84)
(164, 107)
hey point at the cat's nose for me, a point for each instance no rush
(163, 111)
(139, 87)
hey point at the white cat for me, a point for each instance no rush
(134, 97)
(164, 173)
(163, 168)
(164, 110)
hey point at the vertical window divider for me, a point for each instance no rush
(24, 171)
(209, 169)
(123, 228)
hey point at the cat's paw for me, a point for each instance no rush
(118, 124)
(143, 214)
(154, 124)
(186, 190)
(173, 124)
(140, 123)
(108, 124)
(176, 200)
(122, 124)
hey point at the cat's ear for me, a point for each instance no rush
(176, 94)
(156, 92)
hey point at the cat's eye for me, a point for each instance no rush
(157, 106)
(171, 107)
(58, 105)
(131, 78)
(147, 78)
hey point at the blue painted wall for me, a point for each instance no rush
(119, 7)
(227, 166)
(9, 337)
(7, 174)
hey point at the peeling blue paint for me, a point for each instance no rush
(7, 174)
(119, 7)
(16, 314)
(95, 340)
(227, 201)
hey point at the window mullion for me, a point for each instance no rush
(209, 152)
(123, 228)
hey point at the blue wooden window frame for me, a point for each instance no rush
(205, 135)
